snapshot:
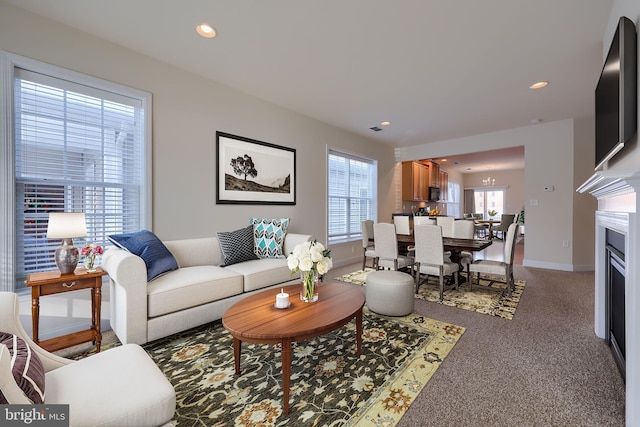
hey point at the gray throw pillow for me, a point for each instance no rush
(237, 246)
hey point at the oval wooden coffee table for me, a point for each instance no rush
(256, 320)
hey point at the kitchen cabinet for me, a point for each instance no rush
(444, 185)
(415, 181)
(418, 176)
(434, 174)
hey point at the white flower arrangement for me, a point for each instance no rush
(310, 256)
(311, 259)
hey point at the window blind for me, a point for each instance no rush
(352, 189)
(77, 149)
(453, 204)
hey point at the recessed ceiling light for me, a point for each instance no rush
(206, 30)
(443, 160)
(385, 123)
(538, 85)
(535, 121)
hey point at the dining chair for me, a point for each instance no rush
(464, 229)
(502, 268)
(402, 224)
(429, 257)
(386, 242)
(480, 229)
(420, 220)
(446, 222)
(423, 220)
(505, 221)
(369, 249)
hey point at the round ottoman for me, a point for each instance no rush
(390, 293)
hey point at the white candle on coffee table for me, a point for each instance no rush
(282, 299)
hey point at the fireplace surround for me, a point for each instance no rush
(615, 263)
(618, 211)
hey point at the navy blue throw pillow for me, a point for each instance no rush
(147, 246)
(237, 246)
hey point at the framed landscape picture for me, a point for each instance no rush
(254, 172)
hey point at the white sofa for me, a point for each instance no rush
(198, 292)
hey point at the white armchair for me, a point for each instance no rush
(119, 387)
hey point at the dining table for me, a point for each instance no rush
(452, 244)
(490, 222)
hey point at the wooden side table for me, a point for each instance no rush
(53, 282)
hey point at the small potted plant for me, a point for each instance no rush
(492, 213)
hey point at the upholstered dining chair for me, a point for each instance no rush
(420, 220)
(505, 221)
(429, 257)
(402, 224)
(423, 220)
(446, 222)
(480, 229)
(501, 268)
(369, 249)
(386, 241)
(464, 229)
(117, 387)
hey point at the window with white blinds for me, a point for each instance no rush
(77, 148)
(453, 200)
(352, 190)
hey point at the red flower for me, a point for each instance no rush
(91, 250)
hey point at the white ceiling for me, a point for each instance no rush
(484, 161)
(436, 69)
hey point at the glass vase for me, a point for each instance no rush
(309, 291)
(91, 263)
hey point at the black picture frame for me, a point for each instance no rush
(252, 172)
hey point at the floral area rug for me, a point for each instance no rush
(330, 386)
(492, 301)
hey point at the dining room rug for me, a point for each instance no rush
(329, 384)
(492, 300)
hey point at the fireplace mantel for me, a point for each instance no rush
(618, 209)
(607, 184)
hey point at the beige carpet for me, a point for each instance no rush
(492, 299)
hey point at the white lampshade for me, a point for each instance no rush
(66, 225)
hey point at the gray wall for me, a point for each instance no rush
(549, 160)
(513, 179)
(187, 112)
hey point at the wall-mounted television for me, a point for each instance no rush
(617, 94)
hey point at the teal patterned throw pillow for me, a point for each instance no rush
(268, 235)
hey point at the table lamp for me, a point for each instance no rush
(66, 226)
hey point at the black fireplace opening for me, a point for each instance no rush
(616, 276)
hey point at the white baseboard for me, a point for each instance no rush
(349, 261)
(557, 266)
